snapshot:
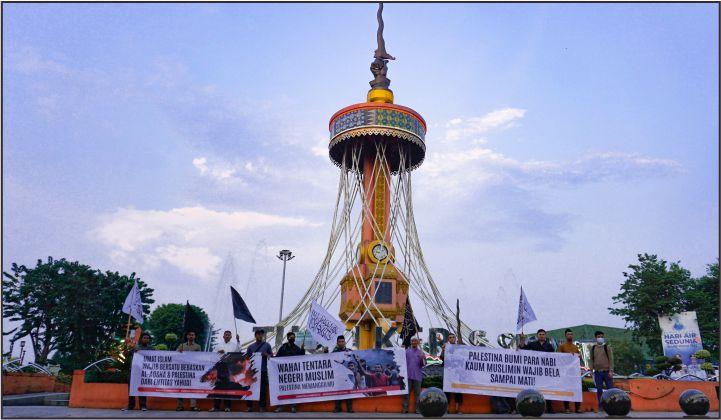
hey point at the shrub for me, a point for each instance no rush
(651, 372)
(432, 381)
(161, 347)
(64, 378)
(106, 376)
(587, 383)
(708, 367)
(703, 354)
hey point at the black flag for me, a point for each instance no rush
(240, 309)
(191, 321)
(410, 325)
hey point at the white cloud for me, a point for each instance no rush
(461, 166)
(29, 60)
(183, 237)
(470, 128)
(197, 261)
(223, 173)
(320, 148)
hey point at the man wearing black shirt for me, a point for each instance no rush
(539, 345)
(289, 348)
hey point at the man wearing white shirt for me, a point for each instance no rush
(226, 346)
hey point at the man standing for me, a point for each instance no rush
(340, 346)
(602, 365)
(539, 345)
(456, 395)
(414, 361)
(289, 348)
(569, 347)
(188, 345)
(262, 347)
(227, 346)
(144, 344)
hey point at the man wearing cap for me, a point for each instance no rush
(262, 347)
(144, 344)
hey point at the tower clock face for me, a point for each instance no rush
(380, 252)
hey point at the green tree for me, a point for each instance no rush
(168, 319)
(651, 288)
(627, 356)
(68, 307)
(703, 297)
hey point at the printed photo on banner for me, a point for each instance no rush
(337, 376)
(195, 375)
(505, 372)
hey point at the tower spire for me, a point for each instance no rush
(380, 91)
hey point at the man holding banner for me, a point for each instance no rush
(188, 345)
(456, 395)
(289, 348)
(227, 346)
(262, 347)
(340, 347)
(539, 345)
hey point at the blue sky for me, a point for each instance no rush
(168, 139)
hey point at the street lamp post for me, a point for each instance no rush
(284, 255)
(22, 352)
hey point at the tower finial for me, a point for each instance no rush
(379, 66)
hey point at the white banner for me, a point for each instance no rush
(680, 335)
(505, 373)
(337, 376)
(324, 327)
(195, 374)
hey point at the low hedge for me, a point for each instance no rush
(106, 376)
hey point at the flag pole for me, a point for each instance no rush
(458, 322)
(127, 328)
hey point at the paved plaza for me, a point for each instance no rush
(64, 412)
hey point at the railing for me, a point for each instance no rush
(42, 369)
(14, 366)
(11, 365)
(96, 363)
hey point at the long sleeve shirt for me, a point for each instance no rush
(414, 362)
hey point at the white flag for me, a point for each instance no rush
(525, 312)
(324, 327)
(133, 304)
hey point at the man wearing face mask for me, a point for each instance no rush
(289, 348)
(602, 365)
(539, 345)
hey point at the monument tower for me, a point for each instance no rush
(374, 261)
